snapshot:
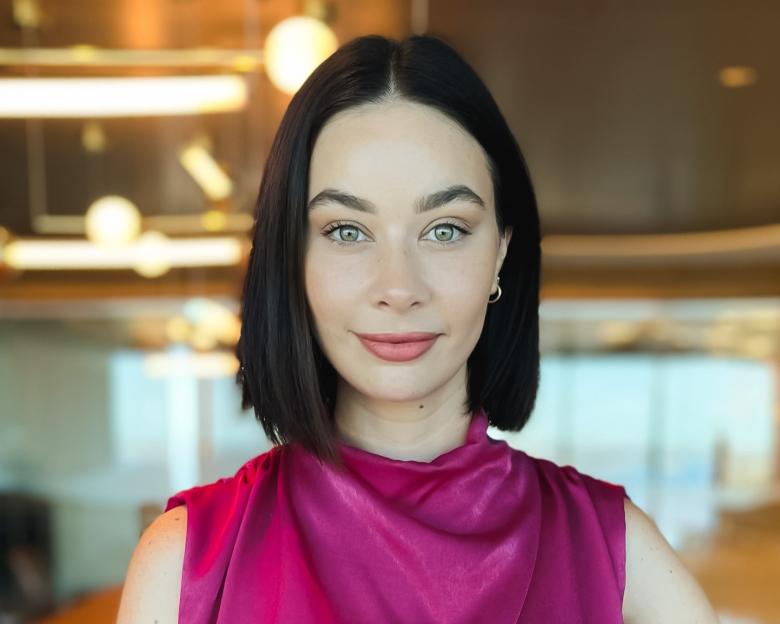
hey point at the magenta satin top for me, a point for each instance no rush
(482, 533)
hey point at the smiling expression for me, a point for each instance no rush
(402, 237)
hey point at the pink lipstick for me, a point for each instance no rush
(398, 347)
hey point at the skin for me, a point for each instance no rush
(152, 587)
(659, 588)
(396, 274)
(393, 276)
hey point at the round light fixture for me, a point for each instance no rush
(294, 48)
(113, 220)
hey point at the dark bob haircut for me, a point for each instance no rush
(283, 374)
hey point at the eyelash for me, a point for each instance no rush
(337, 225)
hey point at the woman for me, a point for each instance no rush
(386, 210)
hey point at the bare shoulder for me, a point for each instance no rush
(153, 582)
(659, 588)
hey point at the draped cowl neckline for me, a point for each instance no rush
(454, 539)
(482, 533)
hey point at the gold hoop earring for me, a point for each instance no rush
(499, 292)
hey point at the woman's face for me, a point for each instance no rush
(394, 269)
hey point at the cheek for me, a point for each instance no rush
(461, 276)
(331, 288)
(463, 299)
(462, 287)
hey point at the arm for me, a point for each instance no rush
(658, 586)
(153, 583)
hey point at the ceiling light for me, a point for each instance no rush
(240, 59)
(206, 172)
(112, 220)
(151, 259)
(52, 255)
(737, 76)
(121, 96)
(294, 48)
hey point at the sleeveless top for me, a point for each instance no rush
(482, 533)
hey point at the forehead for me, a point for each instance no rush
(399, 147)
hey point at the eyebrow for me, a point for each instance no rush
(423, 204)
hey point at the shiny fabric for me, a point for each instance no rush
(482, 533)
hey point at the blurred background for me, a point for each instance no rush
(134, 134)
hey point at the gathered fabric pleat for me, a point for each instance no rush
(482, 533)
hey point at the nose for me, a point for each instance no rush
(400, 278)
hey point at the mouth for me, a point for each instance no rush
(399, 338)
(398, 347)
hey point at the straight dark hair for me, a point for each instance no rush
(283, 374)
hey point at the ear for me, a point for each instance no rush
(502, 247)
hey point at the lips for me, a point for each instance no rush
(396, 338)
(398, 347)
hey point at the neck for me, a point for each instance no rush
(422, 438)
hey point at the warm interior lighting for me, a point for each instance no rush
(206, 172)
(214, 221)
(27, 13)
(49, 255)
(210, 365)
(93, 138)
(178, 329)
(213, 320)
(179, 224)
(661, 245)
(151, 259)
(241, 59)
(5, 237)
(294, 47)
(121, 97)
(112, 220)
(202, 340)
(204, 324)
(737, 76)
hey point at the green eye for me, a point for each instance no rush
(436, 229)
(349, 233)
